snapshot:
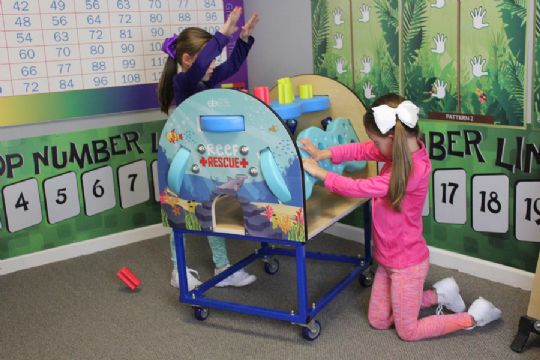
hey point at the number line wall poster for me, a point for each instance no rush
(484, 197)
(62, 59)
(60, 189)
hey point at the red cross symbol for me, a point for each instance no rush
(203, 161)
(244, 163)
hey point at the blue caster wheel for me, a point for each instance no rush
(200, 313)
(366, 278)
(312, 330)
(271, 266)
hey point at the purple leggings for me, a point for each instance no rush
(396, 298)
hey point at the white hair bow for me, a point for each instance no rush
(385, 116)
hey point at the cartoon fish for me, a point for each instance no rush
(170, 198)
(273, 128)
(191, 206)
(172, 136)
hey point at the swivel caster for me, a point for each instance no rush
(312, 330)
(526, 326)
(200, 313)
(271, 266)
(366, 278)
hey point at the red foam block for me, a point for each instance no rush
(128, 277)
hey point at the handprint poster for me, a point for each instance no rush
(332, 42)
(458, 60)
(357, 43)
(429, 69)
(465, 60)
(375, 48)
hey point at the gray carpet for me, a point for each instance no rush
(78, 309)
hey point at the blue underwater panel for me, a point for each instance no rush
(213, 145)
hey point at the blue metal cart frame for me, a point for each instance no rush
(305, 314)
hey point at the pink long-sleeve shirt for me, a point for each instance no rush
(397, 236)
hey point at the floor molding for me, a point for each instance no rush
(477, 267)
(81, 248)
(467, 264)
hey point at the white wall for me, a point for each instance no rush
(282, 40)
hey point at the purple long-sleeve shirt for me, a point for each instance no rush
(397, 235)
(189, 82)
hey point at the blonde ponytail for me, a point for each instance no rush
(401, 167)
(401, 155)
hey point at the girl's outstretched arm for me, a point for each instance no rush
(210, 51)
(373, 187)
(240, 51)
(197, 70)
(356, 151)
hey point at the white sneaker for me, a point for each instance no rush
(192, 281)
(483, 312)
(238, 279)
(448, 295)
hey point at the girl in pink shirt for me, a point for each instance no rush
(398, 194)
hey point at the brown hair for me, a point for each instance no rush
(190, 41)
(401, 155)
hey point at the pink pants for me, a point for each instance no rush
(396, 298)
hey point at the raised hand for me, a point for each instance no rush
(366, 65)
(247, 29)
(440, 41)
(312, 167)
(313, 151)
(439, 89)
(438, 4)
(478, 18)
(340, 66)
(337, 16)
(230, 27)
(477, 64)
(339, 41)
(364, 13)
(368, 93)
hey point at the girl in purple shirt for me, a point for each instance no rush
(194, 51)
(398, 194)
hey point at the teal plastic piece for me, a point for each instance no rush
(222, 123)
(272, 176)
(338, 132)
(178, 169)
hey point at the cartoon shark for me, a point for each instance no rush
(234, 184)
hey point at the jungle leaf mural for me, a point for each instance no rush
(319, 33)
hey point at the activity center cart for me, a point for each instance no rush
(230, 166)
